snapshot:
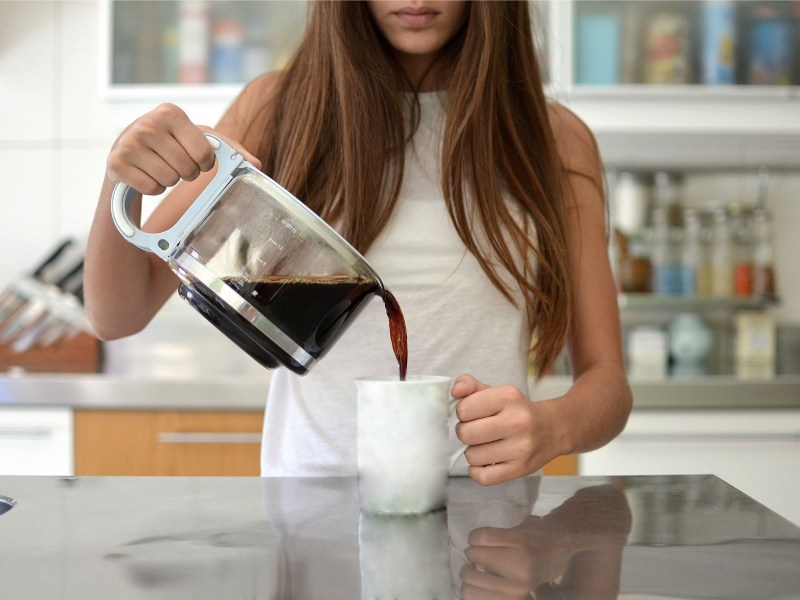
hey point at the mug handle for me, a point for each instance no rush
(164, 242)
(463, 448)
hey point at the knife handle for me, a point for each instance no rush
(66, 284)
(51, 258)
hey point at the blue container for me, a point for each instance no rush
(598, 49)
(719, 42)
(771, 52)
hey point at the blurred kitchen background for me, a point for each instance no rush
(695, 105)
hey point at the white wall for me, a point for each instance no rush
(55, 124)
(56, 128)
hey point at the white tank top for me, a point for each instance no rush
(457, 321)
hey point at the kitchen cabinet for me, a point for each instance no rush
(712, 44)
(186, 443)
(747, 432)
(169, 442)
(637, 124)
(743, 336)
(756, 450)
(651, 74)
(715, 259)
(563, 465)
(36, 441)
(195, 48)
(209, 48)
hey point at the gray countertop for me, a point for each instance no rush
(302, 539)
(701, 392)
(105, 391)
(121, 392)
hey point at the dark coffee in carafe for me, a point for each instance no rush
(312, 311)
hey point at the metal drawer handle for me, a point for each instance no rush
(33, 433)
(202, 437)
(709, 437)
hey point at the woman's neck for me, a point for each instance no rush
(421, 70)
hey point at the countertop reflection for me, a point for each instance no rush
(302, 539)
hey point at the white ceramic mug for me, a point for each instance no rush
(404, 459)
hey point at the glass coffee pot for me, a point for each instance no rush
(259, 265)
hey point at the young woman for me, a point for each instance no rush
(420, 130)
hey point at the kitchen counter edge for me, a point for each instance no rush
(128, 392)
(248, 393)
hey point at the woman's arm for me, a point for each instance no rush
(596, 407)
(508, 435)
(124, 286)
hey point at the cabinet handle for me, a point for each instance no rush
(211, 437)
(709, 437)
(32, 433)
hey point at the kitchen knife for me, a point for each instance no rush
(37, 308)
(11, 299)
(65, 319)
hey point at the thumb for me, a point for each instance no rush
(233, 144)
(465, 385)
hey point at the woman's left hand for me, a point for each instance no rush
(508, 435)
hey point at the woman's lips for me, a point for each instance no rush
(416, 17)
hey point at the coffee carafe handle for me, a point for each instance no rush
(163, 243)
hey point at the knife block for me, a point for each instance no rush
(80, 354)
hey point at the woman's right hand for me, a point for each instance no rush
(123, 286)
(161, 148)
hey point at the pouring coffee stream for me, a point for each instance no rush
(397, 331)
(263, 268)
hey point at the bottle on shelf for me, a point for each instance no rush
(667, 235)
(692, 259)
(227, 57)
(743, 251)
(665, 262)
(598, 37)
(193, 25)
(718, 57)
(633, 263)
(721, 255)
(170, 53)
(706, 242)
(257, 58)
(631, 203)
(666, 194)
(763, 267)
(667, 48)
(770, 53)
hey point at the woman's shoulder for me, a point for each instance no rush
(564, 121)
(251, 101)
(263, 85)
(575, 142)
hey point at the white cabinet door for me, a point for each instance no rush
(36, 441)
(757, 451)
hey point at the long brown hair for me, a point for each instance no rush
(335, 137)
